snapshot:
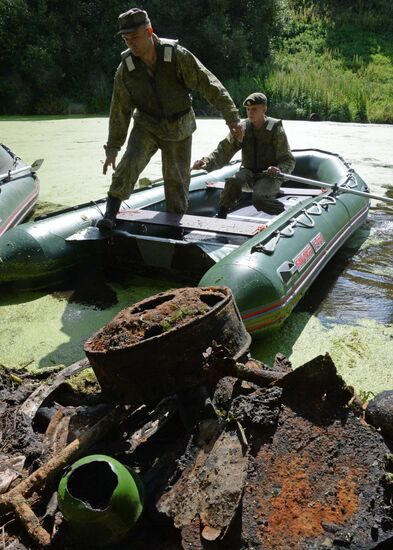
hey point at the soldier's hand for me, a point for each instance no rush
(199, 164)
(272, 171)
(237, 130)
(107, 163)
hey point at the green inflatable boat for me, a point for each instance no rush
(267, 261)
(19, 188)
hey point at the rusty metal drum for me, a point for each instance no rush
(155, 347)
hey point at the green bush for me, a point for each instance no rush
(51, 106)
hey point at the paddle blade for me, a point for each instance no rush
(36, 165)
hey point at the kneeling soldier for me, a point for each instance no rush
(265, 153)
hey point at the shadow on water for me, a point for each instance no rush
(265, 347)
(364, 288)
(92, 304)
(13, 297)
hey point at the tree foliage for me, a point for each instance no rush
(334, 57)
(57, 53)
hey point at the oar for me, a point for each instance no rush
(307, 181)
(33, 168)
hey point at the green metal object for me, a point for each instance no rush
(101, 499)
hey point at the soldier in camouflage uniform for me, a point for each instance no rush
(265, 153)
(152, 84)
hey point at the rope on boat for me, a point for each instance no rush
(93, 203)
(289, 230)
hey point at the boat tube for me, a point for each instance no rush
(19, 188)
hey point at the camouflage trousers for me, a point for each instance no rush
(176, 160)
(264, 191)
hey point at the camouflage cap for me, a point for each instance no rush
(130, 20)
(257, 98)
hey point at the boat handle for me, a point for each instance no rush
(287, 271)
(310, 223)
(351, 180)
(315, 209)
(288, 231)
(327, 201)
(270, 246)
(143, 228)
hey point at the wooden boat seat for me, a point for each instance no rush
(187, 221)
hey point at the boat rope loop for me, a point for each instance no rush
(303, 220)
(269, 247)
(315, 209)
(325, 202)
(93, 203)
(308, 222)
(351, 180)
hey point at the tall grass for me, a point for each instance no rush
(308, 83)
(331, 62)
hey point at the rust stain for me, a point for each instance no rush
(296, 511)
(313, 484)
(153, 317)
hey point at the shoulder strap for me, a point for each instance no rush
(126, 57)
(272, 122)
(169, 47)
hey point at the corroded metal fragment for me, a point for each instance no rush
(155, 347)
(208, 493)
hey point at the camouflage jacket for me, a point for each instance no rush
(135, 97)
(261, 148)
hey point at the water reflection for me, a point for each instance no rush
(364, 288)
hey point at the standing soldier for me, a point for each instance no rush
(265, 153)
(152, 84)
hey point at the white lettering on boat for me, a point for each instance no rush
(304, 256)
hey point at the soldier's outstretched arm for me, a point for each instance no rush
(222, 154)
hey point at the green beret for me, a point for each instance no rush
(130, 20)
(257, 98)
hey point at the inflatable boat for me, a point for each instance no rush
(19, 188)
(268, 261)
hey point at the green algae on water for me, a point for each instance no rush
(362, 353)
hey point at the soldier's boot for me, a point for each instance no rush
(109, 220)
(222, 213)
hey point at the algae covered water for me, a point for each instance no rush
(348, 311)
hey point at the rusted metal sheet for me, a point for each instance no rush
(155, 347)
(318, 483)
(208, 493)
(316, 472)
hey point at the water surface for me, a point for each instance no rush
(348, 311)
